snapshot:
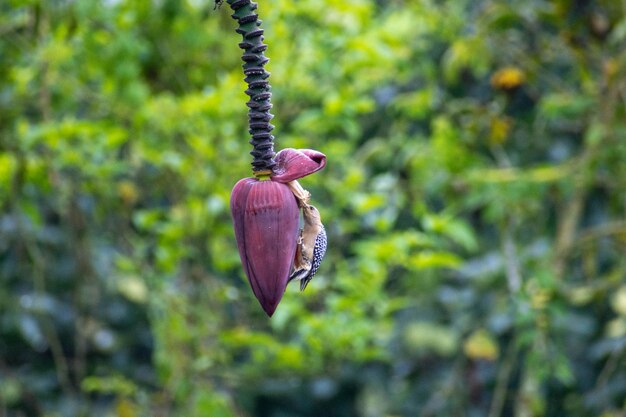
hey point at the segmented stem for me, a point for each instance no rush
(259, 105)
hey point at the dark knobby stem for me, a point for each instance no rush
(259, 115)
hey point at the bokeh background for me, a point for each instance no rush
(474, 198)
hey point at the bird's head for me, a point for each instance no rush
(311, 214)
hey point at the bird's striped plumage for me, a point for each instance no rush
(318, 254)
(311, 247)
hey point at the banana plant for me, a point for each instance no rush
(266, 206)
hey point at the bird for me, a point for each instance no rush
(311, 247)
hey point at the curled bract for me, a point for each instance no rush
(292, 164)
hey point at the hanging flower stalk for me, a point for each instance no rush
(265, 208)
(257, 78)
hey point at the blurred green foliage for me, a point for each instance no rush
(474, 200)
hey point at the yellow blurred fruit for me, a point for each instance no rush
(128, 192)
(508, 78)
(481, 345)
